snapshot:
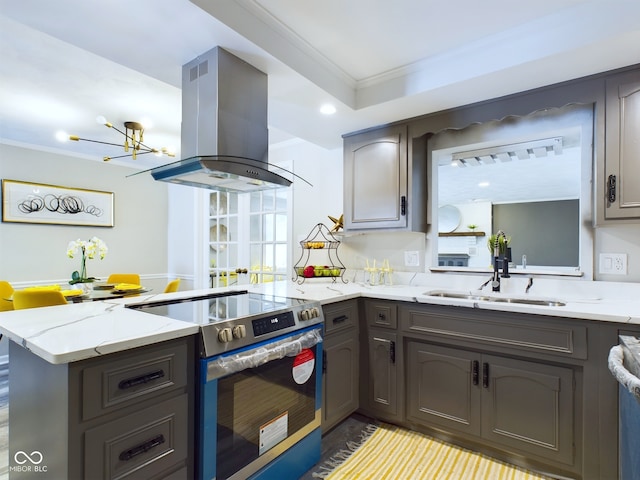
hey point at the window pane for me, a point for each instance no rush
(231, 202)
(255, 204)
(281, 257)
(255, 230)
(268, 200)
(281, 227)
(281, 199)
(267, 258)
(269, 234)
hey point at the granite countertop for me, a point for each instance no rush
(68, 333)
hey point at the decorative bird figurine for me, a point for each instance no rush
(338, 223)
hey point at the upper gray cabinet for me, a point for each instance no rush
(382, 185)
(622, 175)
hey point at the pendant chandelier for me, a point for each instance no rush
(133, 141)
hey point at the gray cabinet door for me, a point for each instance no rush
(340, 378)
(375, 179)
(622, 148)
(443, 387)
(529, 406)
(383, 377)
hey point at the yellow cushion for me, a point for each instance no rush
(42, 287)
(123, 287)
(72, 293)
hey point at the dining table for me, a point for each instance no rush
(107, 292)
(100, 291)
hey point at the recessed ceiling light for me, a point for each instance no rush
(62, 136)
(483, 184)
(327, 109)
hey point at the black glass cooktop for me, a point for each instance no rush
(215, 308)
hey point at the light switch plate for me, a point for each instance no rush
(613, 263)
(412, 258)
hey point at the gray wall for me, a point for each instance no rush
(37, 252)
(543, 231)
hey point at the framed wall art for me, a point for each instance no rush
(24, 202)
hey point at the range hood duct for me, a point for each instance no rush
(225, 140)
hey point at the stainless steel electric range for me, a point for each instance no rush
(259, 383)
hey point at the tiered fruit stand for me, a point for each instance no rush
(320, 238)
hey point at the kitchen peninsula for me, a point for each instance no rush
(564, 348)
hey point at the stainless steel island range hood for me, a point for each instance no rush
(224, 140)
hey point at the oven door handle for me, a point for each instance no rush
(236, 362)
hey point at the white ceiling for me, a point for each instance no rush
(65, 62)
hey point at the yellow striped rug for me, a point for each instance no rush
(395, 453)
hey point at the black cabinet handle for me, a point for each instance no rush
(340, 319)
(382, 317)
(403, 205)
(142, 448)
(392, 352)
(485, 375)
(611, 189)
(146, 378)
(475, 372)
(324, 361)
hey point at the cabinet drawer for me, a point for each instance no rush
(133, 378)
(139, 446)
(537, 333)
(381, 314)
(340, 316)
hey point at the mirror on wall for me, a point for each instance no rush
(527, 176)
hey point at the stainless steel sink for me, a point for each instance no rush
(530, 301)
(494, 298)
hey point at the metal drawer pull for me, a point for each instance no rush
(403, 205)
(142, 448)
(475, 372)
(132, 382)
(340, 319)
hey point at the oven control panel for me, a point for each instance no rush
(273, 323)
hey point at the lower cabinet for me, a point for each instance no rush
(123, 415)
(382, 392)
(523, 405)
(340, 392)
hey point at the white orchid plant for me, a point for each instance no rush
(89, 250)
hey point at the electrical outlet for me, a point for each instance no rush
(412, 259)
(613, 263)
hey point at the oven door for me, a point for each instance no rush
(257, 402)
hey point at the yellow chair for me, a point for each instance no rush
(131, 278)
(37, 298)
(6, 292)
(172, 286)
